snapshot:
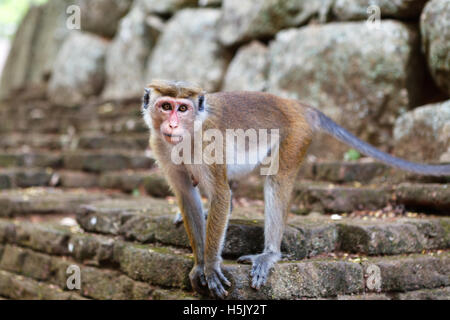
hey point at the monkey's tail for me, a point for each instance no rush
(323, 123)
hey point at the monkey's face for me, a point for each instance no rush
(175, 117)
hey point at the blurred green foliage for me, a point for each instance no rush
(352, 155)
(11, 12)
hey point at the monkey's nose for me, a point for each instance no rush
(173, 125)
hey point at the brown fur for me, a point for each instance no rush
(176, 89)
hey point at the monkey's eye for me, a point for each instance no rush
(182, 108)
(166, 106)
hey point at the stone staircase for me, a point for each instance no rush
(78, 187)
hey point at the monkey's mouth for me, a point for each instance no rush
(172, 138)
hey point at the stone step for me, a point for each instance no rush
(41, 117)
(326, 197)
(313, 278)
(424, 294)
(107, 161)
(110, 142)
(330, 278)
(24, 267)
(149, 220)
(92, 161)
(63, 124)
(11, 178)
(308, 195)
(89, 141)
(364, 171)
(252, 187)
(36, 141)
(19, 287)
(43, 109)
(139, 262)
(39, 200)
(150, 182)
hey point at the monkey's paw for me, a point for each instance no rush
(216, 279)
(261, 266)
(198, 280)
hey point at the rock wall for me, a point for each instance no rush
(363, 75)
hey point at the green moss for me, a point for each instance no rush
(246, 222)
(445, 224)
(161, 250)
(8, 160)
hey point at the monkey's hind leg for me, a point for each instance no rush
(277, 191)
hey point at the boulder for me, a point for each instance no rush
(35, 46)
(166, 7)
(127, 57)
(244, 20)
(424, 133)
(248, 69)
(79, 69)
(102, 16)
(358, 9)
(50, 36)
(360, 76)
(187, 50)
(435, 30)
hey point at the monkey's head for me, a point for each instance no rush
(170, 108)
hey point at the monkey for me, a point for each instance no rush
(170, 109)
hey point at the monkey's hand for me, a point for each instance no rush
(215, 278)
(198, 280)
(261, 266)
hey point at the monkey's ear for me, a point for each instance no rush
(201, 102)
(146, 98)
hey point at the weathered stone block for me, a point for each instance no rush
(242, 21)
(71, 83)
(248, 69)
(423, 134)
(127, 57)
(145, 263)
(359, 10)
(359, 76)
(94, 19)
(412, 272)
(310, 279)
(189, 31)
(435, 30)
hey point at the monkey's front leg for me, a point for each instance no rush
(215, 236)
(178, 220)
(190, 204)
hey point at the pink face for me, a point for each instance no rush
(177, 117)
